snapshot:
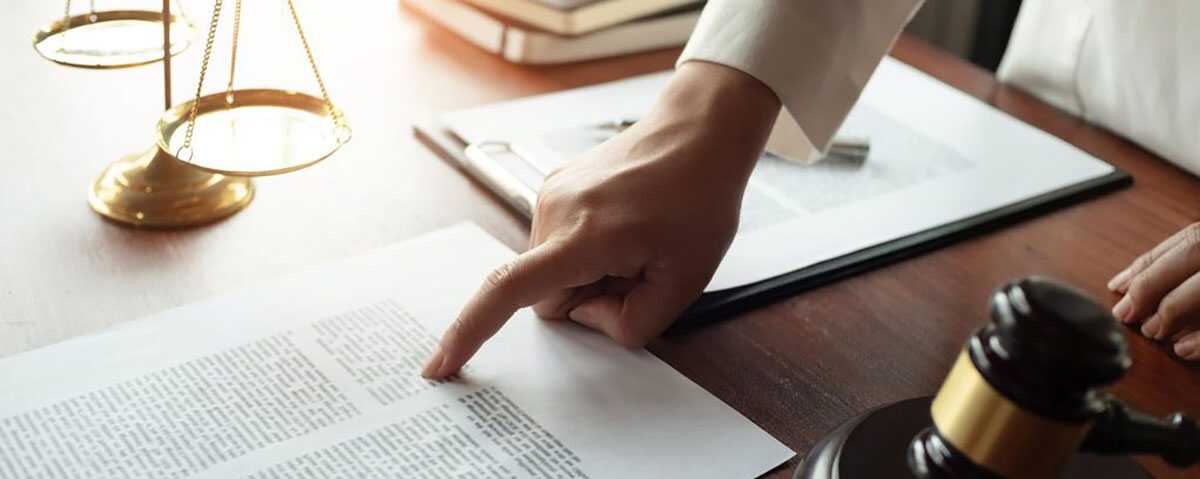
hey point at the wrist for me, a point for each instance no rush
(727, 110)
(700, 85)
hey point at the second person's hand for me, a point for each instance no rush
(625, 237)
(1161, 291)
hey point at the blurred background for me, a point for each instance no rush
(562, 31)
(977, 30)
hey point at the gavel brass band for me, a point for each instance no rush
(983, 424)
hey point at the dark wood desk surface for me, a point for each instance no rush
(796, 368)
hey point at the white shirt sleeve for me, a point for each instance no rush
(816, 55)
(1125, 66)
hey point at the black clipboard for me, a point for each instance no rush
(723, 304)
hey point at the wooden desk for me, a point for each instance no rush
(797, 368)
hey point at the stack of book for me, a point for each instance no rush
(556, 31)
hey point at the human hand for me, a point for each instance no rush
(625, 237)
(1162, 292)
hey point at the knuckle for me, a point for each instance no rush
(1142, 262)
(590, 198)
(499, 278)
(587, 191)
(541, 206)
(561, 201)
(1138, 289)
(455, 333)
(1192, 231)
(548, 200)
(1191, 253)
(588, 226)
(1191, 237)
(1167, 312)
(1171, 311)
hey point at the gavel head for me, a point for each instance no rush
(1021, 396)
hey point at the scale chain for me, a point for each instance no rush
(208, 46)
(341, 127)
(237, 28)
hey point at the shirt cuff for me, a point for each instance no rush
(816, 55)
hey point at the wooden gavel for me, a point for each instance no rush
(1023, 400)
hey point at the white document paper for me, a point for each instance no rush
(937, 156)
(316, 376)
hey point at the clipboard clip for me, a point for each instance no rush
(506, 169)
(511, 171)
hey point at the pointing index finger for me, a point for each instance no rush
(537, 273)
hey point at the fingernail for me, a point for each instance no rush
(1189, 348)
(1117, 282)
(1121, 310)
(1150, 328)
(433, 367)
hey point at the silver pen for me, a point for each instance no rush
(847, 147)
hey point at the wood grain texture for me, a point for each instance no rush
(797, 368)
(802, 366)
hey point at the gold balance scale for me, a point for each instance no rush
(207, 148)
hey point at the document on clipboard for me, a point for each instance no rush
(942, 165)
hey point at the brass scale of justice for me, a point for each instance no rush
(209, 147)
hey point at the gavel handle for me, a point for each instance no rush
(1122, 430)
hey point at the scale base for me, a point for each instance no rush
(153, 190)
(875, 445)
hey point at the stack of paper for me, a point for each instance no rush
(316, 376)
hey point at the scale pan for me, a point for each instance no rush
(262, 132)
(111, 39)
